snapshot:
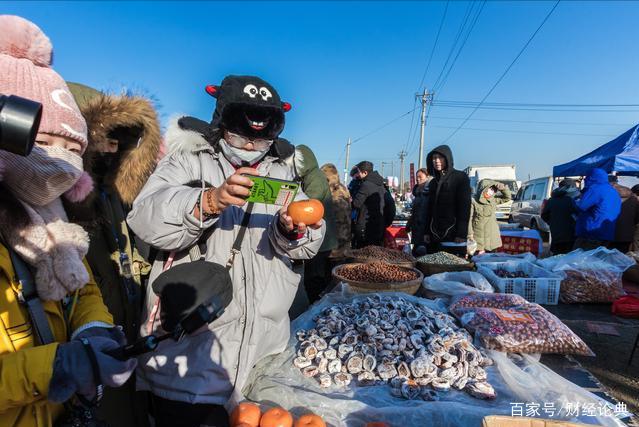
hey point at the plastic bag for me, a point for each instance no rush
(590, 276)
(457, 283)
(503, 257)
(521, 328)
(627, 306)
(531, 381)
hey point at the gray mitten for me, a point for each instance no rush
(73, 370)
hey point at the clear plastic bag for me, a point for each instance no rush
(503, 257)
(519, 328)
(457, 283)
(590, 276)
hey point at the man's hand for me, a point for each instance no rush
(287, 223)
(233, 192)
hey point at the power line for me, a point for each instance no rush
(527, 104)
(383, 126)
(523, 49)
(563, 110)
(430, 58)
(452, 65)
(470, 6)
(412, 120)
(533, 121)
(526, 131)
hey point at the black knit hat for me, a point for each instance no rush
(365, 166)
(185, 287)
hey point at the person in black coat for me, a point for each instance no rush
(558, 214)
(417, 222)
(449, 201)
(368, 204)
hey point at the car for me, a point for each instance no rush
(530, 201)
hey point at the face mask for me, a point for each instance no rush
(489, 193)
(43, 176)
(238, 157)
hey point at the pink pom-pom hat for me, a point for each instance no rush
(25, 70)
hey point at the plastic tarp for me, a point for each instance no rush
(621, 155)
(276, 382)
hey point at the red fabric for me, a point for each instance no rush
(627, 306)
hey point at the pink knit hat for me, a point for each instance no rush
(25, 70)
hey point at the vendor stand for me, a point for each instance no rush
(342, 399)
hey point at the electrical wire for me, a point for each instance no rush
(525, 131)
(383, 126)
(564, 110)
(471, 5)
(412, 120)
(522, 50)
(532, 121)
(432, 51)
(440, 87)
(527, 104)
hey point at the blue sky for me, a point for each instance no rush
(349, 67)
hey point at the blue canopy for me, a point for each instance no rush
(621, 155)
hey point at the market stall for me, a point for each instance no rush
(363, 354)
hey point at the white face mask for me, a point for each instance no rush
(238, 156)
(42, 176)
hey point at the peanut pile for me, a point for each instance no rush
(442, 258)
(382, 254)
(377, 272)
(520, 328)
(590, 286)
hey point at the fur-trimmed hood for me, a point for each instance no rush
(105, 114)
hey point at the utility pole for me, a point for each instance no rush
(387, 163)
(348, 155)
(425, 98)
(402, 155)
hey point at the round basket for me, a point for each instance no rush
(430, 269)
(409, 287)
(352, 255)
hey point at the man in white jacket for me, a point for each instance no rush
(196, 198)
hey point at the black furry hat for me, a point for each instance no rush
(186, 286)
(248, 106)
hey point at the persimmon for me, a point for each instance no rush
(310, 420)
(276, 417)
(246, 413)
(377, 424)
(307, 211)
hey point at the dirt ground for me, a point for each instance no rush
(611, 364)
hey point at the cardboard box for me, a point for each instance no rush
(503, 421)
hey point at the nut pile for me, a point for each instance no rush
(505, 274)
(442, 258)
(377, 272)
(382, 254)
(591, 286)
(520, 328)
(379, 340)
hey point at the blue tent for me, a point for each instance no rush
(621, 155)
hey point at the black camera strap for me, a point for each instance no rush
(29, 297)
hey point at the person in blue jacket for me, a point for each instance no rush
(598, 210)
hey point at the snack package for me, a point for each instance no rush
(516, 326)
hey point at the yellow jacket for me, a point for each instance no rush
(25, 369)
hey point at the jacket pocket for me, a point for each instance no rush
(277, 294)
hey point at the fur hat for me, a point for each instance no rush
(25, 70)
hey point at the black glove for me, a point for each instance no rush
(74, 371)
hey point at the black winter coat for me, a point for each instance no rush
(449, 202)
(558, 214)
(417, 222)
(369, 203)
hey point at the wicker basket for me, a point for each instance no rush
(409, 287)
(353, 257)
(430, 269)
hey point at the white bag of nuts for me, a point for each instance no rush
(508, 323)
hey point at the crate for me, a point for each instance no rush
(541, 287)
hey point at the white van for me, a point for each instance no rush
(529, 202)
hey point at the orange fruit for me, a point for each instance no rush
(377, 424)
(310, 420)
(276, 417)
(246, 414)
(307, 211)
